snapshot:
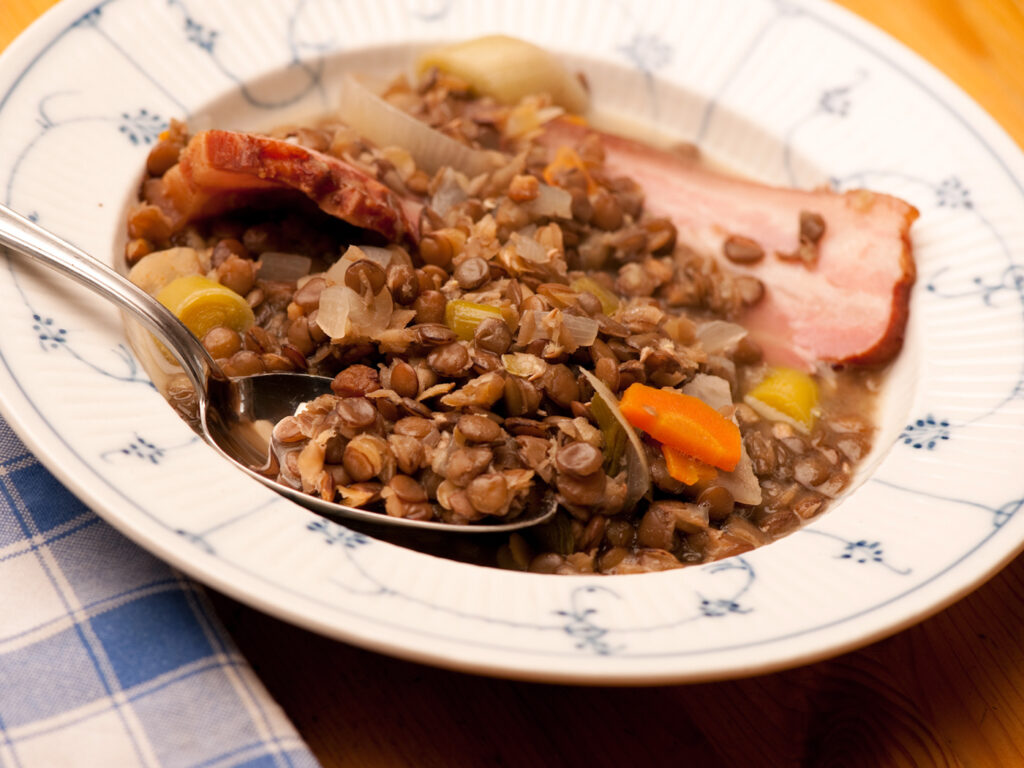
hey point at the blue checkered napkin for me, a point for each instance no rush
(107, 656)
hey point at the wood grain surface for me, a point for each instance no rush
(947, 692)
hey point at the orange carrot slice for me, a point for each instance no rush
(686, 469)
(684, 423)
(566, 159)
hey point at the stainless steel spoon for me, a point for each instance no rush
(230, 410)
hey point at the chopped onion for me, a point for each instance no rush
(620, 440)
(577, 331)
(713, 390)
(716, 336)
(335, 305)
(375, 253)
(742, 483)
(344, 313)
(283, 267)
(568, 331)
(551, 201)
(386, 125)
(528, 248)
(450, 191)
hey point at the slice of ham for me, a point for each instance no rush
(222, 170)
(848, 306)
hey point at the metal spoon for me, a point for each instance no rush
(230, 410)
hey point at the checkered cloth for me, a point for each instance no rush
(107, 656)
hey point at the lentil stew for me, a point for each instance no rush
(483, 320)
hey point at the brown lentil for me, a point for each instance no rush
(471, 273)
(308, 296)
(365, 276)
(222, 341)
(356, 381)
(478, 429)
(578, 459)
(244, 363)
(404, 380)
(238, 274)
(450, 360)
(429, 306)
(488, 493)
(493, 336)
(742, 250)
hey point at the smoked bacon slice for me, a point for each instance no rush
(850, 305)
(222, 170)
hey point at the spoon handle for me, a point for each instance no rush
(28, 239)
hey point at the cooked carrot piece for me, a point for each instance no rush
(566, 159)
(684, 468)
(684, 423)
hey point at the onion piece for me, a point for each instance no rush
(551, 201)
(716, 336)
(713, 390)
(344, 313)
(577, 331)
(382, 256)
(742, 483)
(620, 442)
(386, 125)
(277, 266)
(565, 330)
(450, 191)
(528, 248)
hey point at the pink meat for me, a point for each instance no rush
(221, 170)
(850, 306)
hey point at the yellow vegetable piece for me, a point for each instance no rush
(202, 304)
(463, 317)
(509, 69)
(786, 394)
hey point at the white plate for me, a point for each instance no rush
(792, 92)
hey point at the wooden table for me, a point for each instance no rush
(947, 692)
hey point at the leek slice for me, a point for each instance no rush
(203, 304)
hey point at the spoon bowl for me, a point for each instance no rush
(236, 415)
